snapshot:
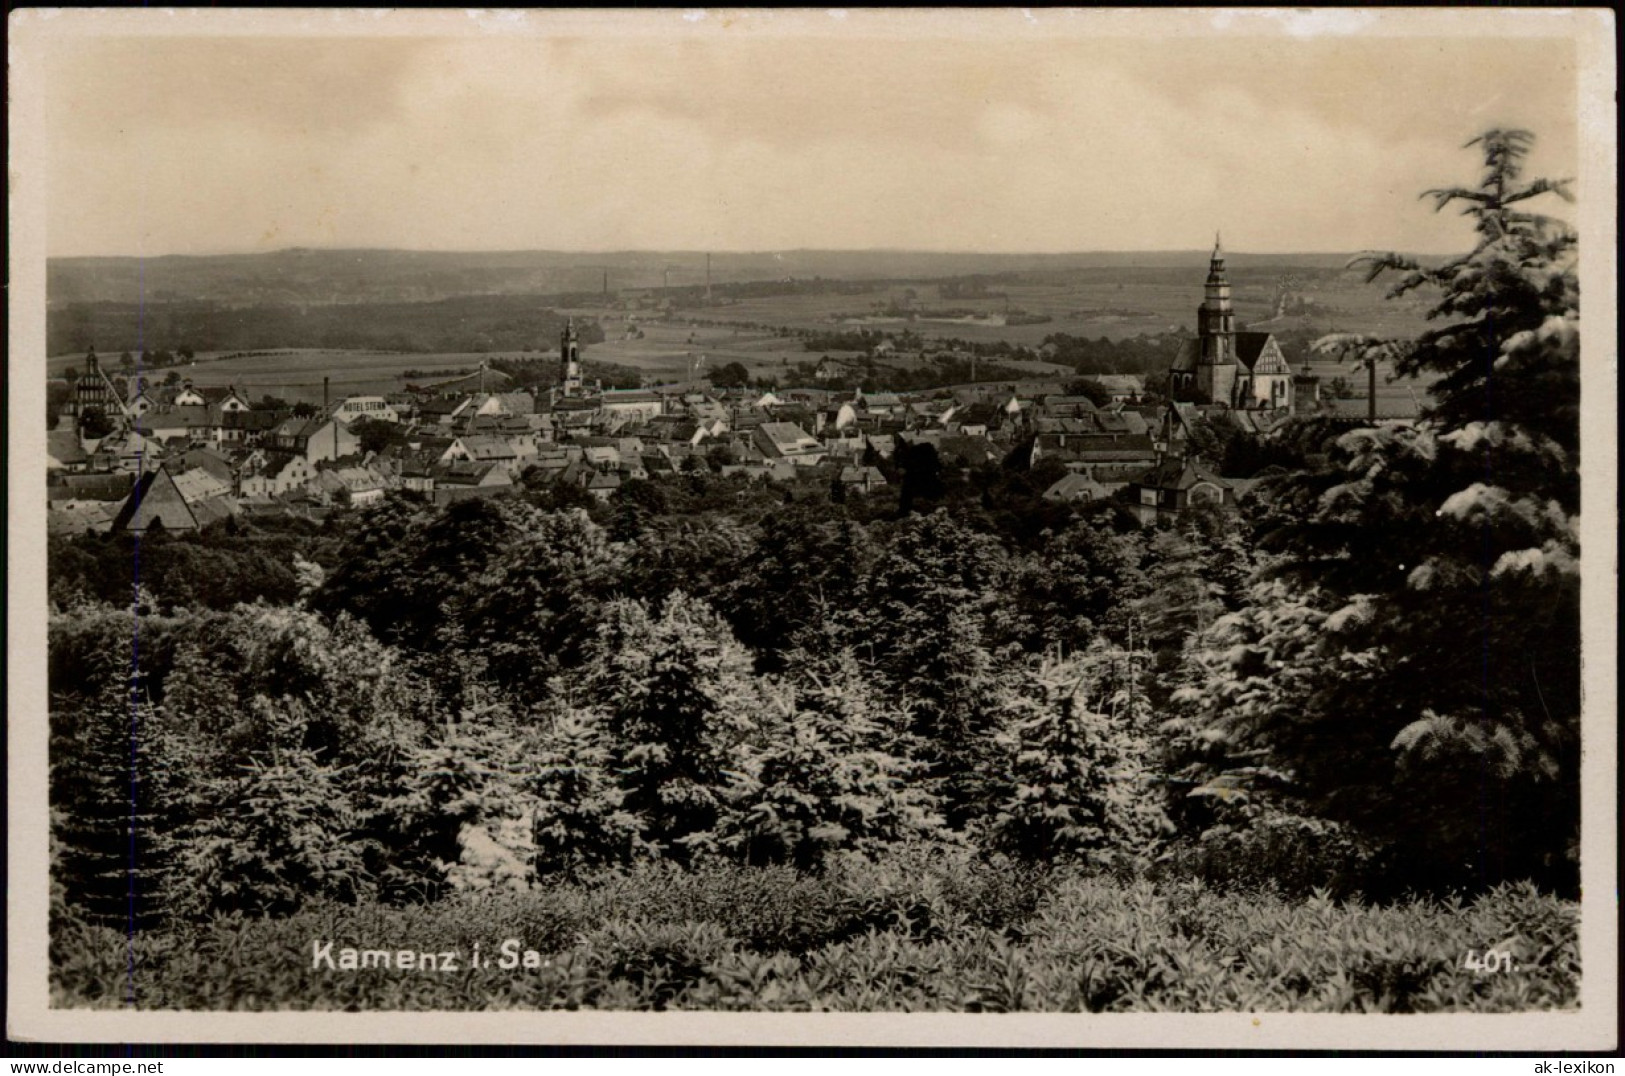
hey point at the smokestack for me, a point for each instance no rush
(708, 278)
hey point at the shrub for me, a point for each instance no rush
(898, 935)
(1284, 854)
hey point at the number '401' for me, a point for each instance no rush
(1493, 960)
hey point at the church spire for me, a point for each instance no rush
(569, 359)
(1215, 269)
(1216, 332)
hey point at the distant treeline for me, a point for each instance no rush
(471, 323)
(540, 374)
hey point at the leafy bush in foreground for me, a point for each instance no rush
(893, 936)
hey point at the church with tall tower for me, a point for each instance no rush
(570, 382)
(1245, 371)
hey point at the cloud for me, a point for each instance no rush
(740, 142)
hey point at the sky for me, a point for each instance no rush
(703, 132)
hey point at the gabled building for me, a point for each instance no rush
(195, 424)
(1173, 485)
(184, 502)
(318, 439)
(787, 441)
(126, 450)
(95, 393)
(861, 479)
(467, 478)
(1076, 488)
(442, 410)
(275, 475)
(63, 452)
(246, 426)
(204, 459)
(1123, 388)
(481, 449)
(1221, 365)
(629, 405)
(188, 396)
(376, 408)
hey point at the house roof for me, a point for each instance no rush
(277, 462)
(442, 405)
(1251, 346)
(879, 399)
(1076, 486)
(866, 475)
(1174, 472)
(77, 517)
(1068, 403)
(63, 449)
(192, 416)
(180, 502)
(468, 473)
(203, 459)
(252, 420)
(1190, 349)
(611, 397)
(788, 437)
(90, 487)
(488, 448)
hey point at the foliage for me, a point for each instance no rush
(1083, 581)
(1521, 274)
(1081, 768)
(94, 423)
(118, 794)
(678, 705)
(730, 376)
(933, 589)
(1426, 689)
(579, 819)
(897, 936)
(271, 839)
(802, 580)
(376, 435)
(535, 609)
(829, 782)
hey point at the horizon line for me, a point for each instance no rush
(763, 251)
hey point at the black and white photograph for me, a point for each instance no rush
(718, 526)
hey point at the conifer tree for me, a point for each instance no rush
(1082, 764)
(1416, 669)
(679, 705)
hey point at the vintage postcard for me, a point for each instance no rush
(955, 528)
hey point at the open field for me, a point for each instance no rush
(1115, 302)
(662, 355)
(295, 374)
(1112, 303)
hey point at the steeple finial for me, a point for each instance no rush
(1218, 248)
